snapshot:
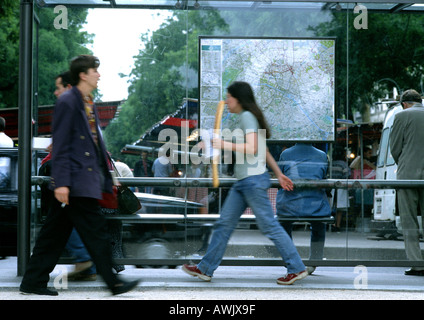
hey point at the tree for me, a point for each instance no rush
(385, 54)
(159, 82)
(57, 47)
(9, 53)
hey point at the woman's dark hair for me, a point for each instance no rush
(81, 64)
(243, 92)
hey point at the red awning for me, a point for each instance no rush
(178, 122)
(106, 110)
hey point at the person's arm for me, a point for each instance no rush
(356, 163)
(62, 133)
(249, 147)
(284, 181)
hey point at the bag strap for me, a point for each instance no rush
(115, 169)
(115, 182)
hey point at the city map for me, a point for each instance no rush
(293, 82)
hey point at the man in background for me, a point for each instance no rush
(62, 83)
(406, 139)
(303, 161)
(143, 168)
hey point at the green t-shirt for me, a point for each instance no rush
(247, 164)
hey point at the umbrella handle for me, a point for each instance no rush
(216, 130)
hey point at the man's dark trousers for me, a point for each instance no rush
(83, 214)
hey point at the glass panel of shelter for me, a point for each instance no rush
(354, 236)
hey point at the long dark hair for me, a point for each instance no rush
(243, 92)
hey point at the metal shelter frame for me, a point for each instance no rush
(25, 121)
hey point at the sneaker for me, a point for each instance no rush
(290, 278)
(193, 271)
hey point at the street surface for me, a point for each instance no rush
(231, 283)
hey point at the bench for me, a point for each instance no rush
(201, 221)
(163, 218)
(206, 218)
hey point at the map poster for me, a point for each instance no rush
(293, 81)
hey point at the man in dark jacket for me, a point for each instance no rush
(79, 177)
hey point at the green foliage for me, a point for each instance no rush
(57, 47)
(9, 53)
(385, 54)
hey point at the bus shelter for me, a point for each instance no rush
(309, 62)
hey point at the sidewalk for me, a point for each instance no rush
(232, 283)
(250, 282)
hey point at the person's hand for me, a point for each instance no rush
(62, 194)
(285, 182)
(217, 143)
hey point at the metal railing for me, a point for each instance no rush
(298, 184)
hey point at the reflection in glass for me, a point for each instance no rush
(156, 79)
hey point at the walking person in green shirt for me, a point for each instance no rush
(250, 190)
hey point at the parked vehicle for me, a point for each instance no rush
(8, 201)
(167, 238)
(386, 217)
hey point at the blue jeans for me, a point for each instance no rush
(249, 192)
(76, 248)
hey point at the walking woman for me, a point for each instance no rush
(250, 190)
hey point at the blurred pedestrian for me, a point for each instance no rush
(79, 176)
(62, 83)
(84, 268)
(250, 190)
(143, 168)
(162, 168)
